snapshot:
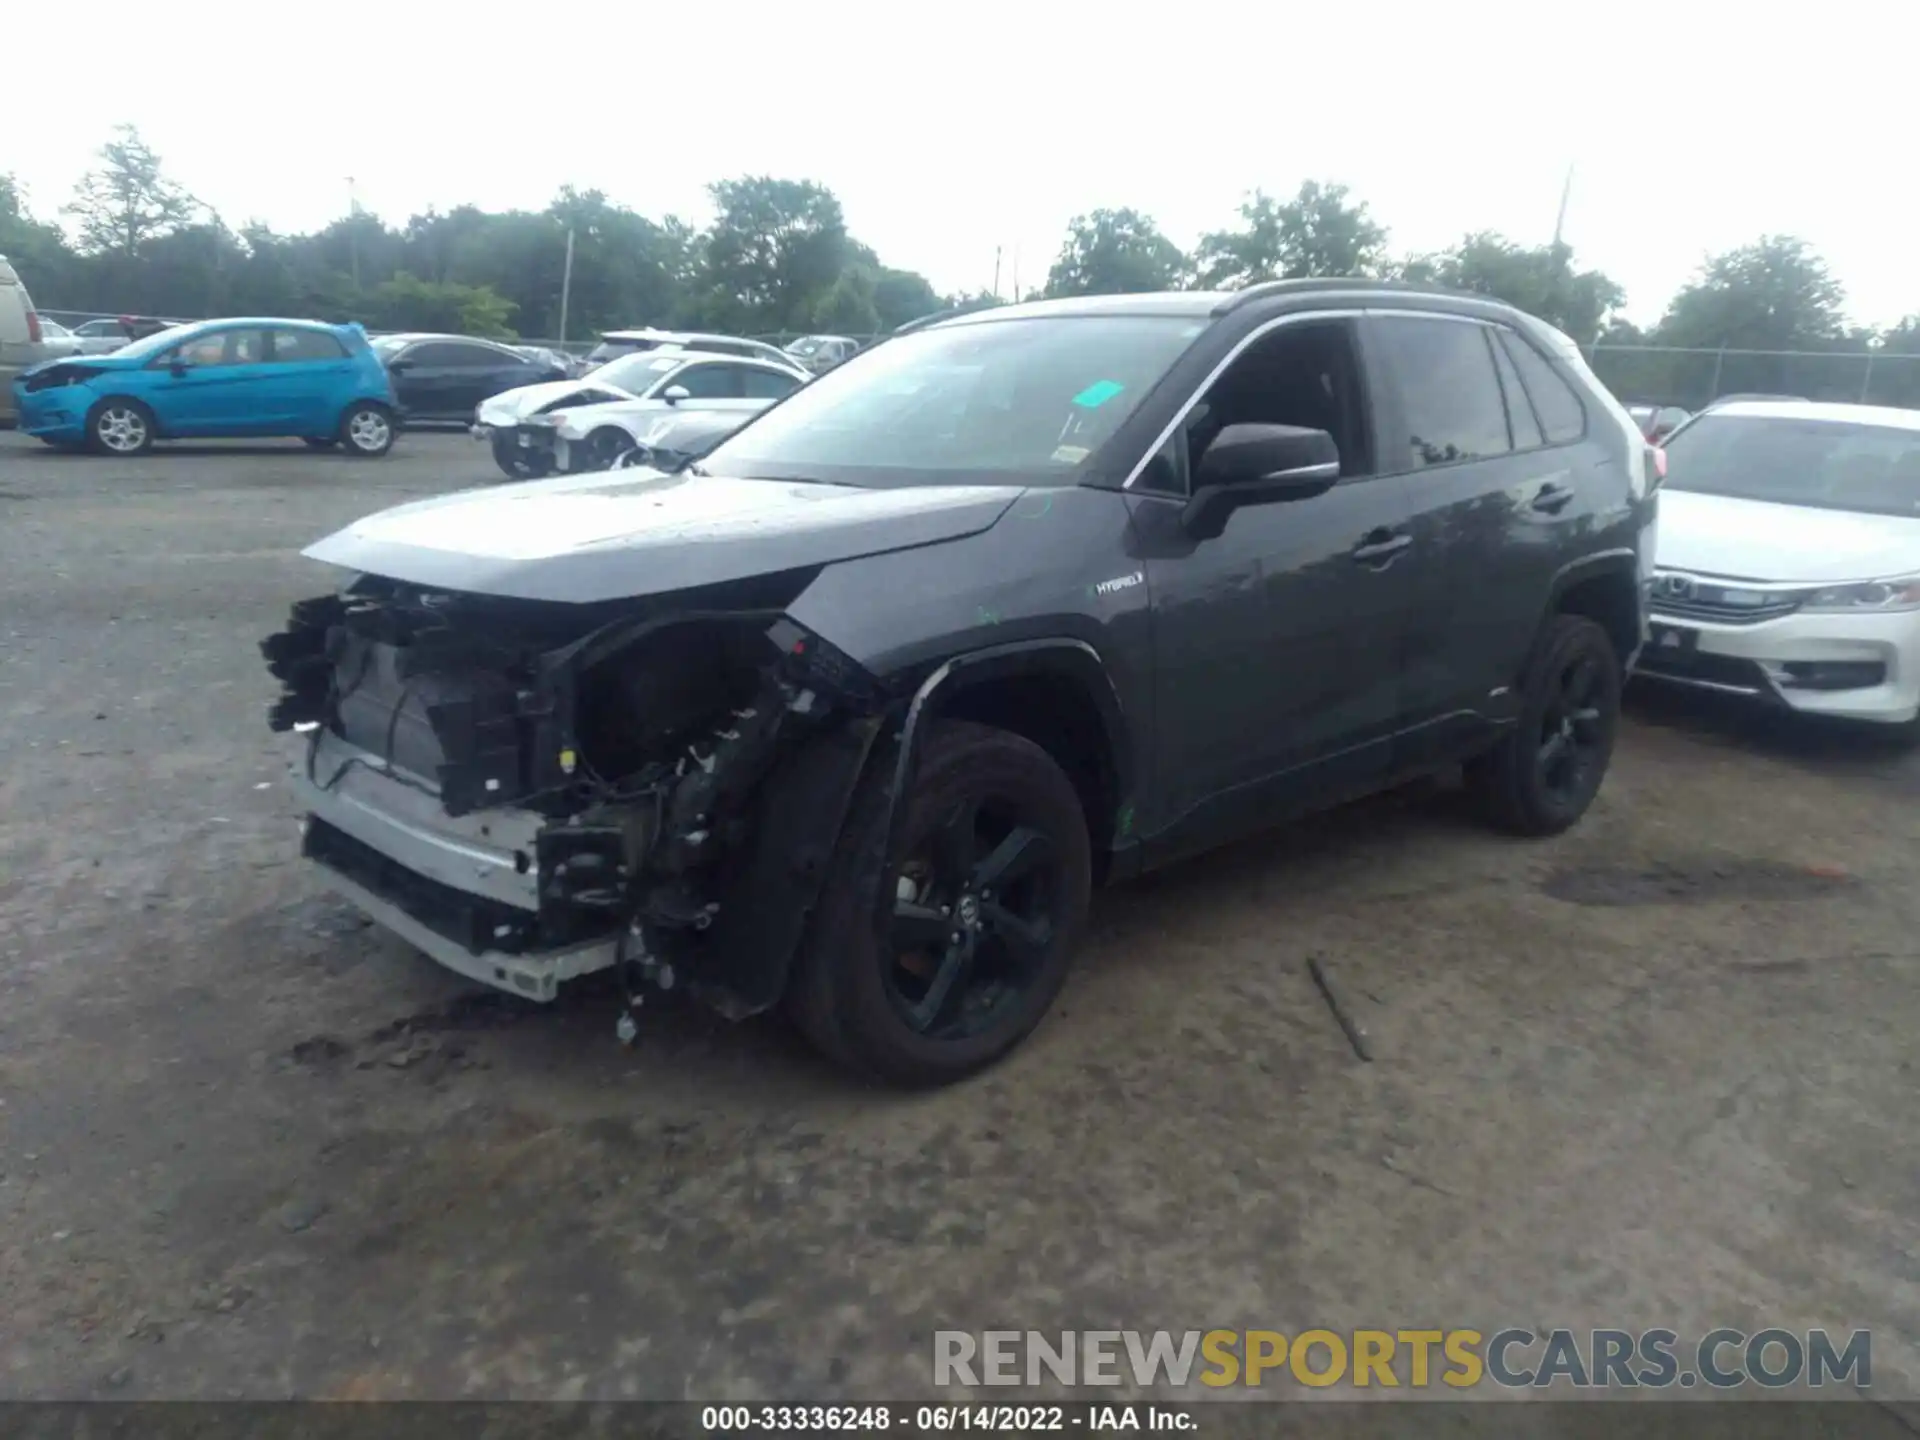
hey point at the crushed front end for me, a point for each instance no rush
(529, 790)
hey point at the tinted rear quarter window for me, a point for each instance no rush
(1449, 393)
(1562, 416)
(305, 345)
(766, 384)
(1526, 426)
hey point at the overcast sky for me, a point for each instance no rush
(948, 130)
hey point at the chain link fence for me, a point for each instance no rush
(1657, 374)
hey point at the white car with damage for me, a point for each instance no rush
(1788, 565)
(587, 424)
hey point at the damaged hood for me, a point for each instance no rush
(635, 532)
(511, 406)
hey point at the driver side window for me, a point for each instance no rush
(1306, 374)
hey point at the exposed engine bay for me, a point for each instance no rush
(529, 790)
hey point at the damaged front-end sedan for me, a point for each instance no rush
(529, 791)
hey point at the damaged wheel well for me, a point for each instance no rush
(1055, 712)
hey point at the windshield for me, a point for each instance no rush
(810, 345)
(54, 328)
(388, 344)
(1827, 464)
(978, 402)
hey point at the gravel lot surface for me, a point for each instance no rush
(1658, 1072)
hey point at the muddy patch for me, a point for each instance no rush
(1691, 881)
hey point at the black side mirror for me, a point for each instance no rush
(1258, 465)
(396, 366)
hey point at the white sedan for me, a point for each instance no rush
(586, 424)
(1789, 559)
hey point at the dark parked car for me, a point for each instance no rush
(851, 716)
(444, 377)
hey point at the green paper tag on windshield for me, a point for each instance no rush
(1098, 393)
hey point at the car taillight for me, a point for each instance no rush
(1656, 467)
(33, 328)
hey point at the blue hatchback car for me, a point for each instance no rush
(322, 383)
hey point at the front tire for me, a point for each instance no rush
(367, 430)
(1543, 774)
(521, 464)
(118, 426)
(605, 446)
(988, 901)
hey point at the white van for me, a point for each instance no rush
(19, 336)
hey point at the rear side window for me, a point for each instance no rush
(1562, 416)
(709, 382)
(1449, 392)
(1526, 426)
(305, 345)
(767, 384)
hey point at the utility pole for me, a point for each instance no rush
(566, 285)
(1560, 223)
(353, 230)
(1016, 272)
(996, 272)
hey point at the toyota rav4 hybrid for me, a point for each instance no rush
(852, 716)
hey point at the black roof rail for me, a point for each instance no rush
(1267, 289)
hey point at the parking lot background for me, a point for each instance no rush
(1657, 1072)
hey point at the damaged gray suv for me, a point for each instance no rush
(852, 716)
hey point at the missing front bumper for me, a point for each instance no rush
(464, 890)
(534, 976)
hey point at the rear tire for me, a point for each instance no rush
(1542, 776)
(367, 430)
(993, 832)
(119, 426)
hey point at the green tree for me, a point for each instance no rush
(851, 307)
(775, 247)
(1902, 339)
(1318, 232)
(1542, 281)
(1115, 252)
(902, 295)
(127, 201)
(406, 302)
(1775, 294)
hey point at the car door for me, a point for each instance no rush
(1489, 502)
(422, 377)
(1278, 643)
(216, 383)
(311, 378)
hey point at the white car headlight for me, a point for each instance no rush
(1902, 593)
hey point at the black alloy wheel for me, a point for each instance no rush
(972, 919)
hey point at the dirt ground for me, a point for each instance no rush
(1657, 1072)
